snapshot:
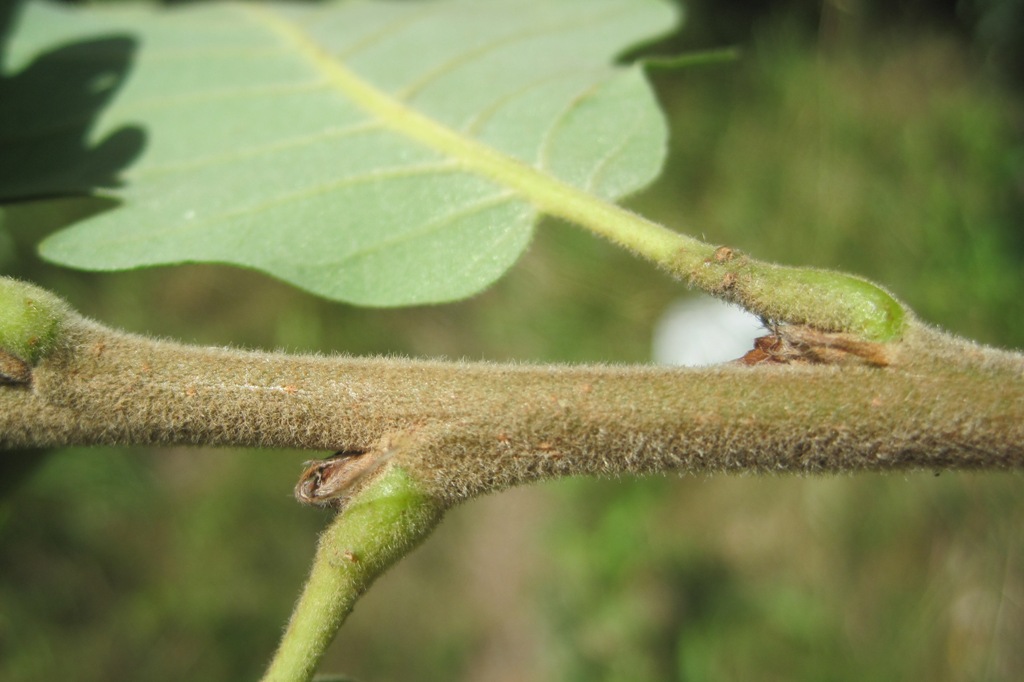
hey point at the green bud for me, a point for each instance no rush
(835, 301)
(30, 320)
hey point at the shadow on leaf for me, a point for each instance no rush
(47, 112)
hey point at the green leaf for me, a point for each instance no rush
(381, 153)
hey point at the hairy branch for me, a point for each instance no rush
(418, 437)
(462, 429)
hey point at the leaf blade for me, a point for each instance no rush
(420, 135)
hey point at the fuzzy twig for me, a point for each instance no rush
(417, 437)
(478, 427)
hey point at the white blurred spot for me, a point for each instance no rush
(700, 330)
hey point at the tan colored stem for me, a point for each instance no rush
(940, 404)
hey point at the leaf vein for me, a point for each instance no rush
(237, 154)
(544, 152)
(150, 104)
(386, 30)
(435, 225)
(495, 248)
(280, 200)
(602, 164)
(409, 92)
(489, 111)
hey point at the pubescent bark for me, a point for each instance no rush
(462, 429)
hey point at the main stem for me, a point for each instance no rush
(480, 427)
(423, 436)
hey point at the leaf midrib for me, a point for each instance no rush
(548, 194)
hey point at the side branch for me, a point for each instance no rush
(477, 427)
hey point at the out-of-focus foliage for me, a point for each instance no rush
(890, 154)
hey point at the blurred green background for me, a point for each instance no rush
(880, 138)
